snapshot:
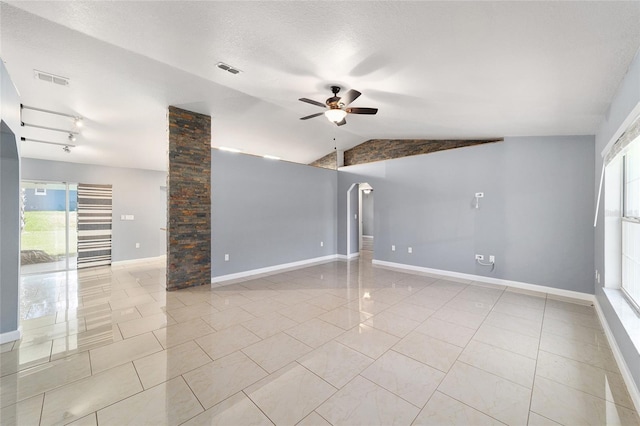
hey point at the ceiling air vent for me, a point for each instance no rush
(228, 68)
(51, 78)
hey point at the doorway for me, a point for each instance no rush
(366, 218)
(359, 240)
(49, 224)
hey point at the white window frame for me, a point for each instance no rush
(635, 221)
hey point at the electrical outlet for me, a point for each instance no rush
(492, 258)
(409, 250)
(321, 243)
(226, 257)
(393, 248)
(479, 257)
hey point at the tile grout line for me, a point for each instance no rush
(254, 404)
(192, 392)
(632, 408)
(44, 394)
(535, 370)
(327, 290)
(488, 372)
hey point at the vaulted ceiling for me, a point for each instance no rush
(448, 69)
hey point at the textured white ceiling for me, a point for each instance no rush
(434, 69)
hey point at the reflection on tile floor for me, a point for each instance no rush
(339, 343)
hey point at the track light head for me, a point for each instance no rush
(78, 121)
(72, 137)
(66, 149)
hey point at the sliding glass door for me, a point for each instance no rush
(49, 229)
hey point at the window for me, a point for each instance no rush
(631, 223)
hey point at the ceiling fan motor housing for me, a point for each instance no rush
(332, 102)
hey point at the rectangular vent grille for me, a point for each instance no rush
(227, 68)
(51, 78)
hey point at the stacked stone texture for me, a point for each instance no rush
(329, 161)
(387, 149)
(189, 200)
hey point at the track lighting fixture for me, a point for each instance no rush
(71, 134)
(66, 145)
(54, 129)
(76, 118)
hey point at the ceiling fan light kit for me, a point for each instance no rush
(335, 115)
(336, 107)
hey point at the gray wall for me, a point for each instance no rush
(9, 230)
(267, 213)
(9, 203)
(135, 192)
(367, 214)
(536, 216)
(624, 101)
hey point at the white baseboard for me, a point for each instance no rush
(632, 387)
(490, 280)
(345, 257)
(138, 261)
(11, 336)
(275, 268)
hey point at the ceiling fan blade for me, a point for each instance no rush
(342, 123)
(311, 116)
(312, 102)
(349, 97)
(370, 111)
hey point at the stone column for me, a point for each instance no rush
(188, 200)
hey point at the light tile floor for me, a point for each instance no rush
(341, 343)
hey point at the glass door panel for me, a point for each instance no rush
(73, 226)
(47, 234)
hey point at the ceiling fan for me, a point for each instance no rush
(336, 107)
